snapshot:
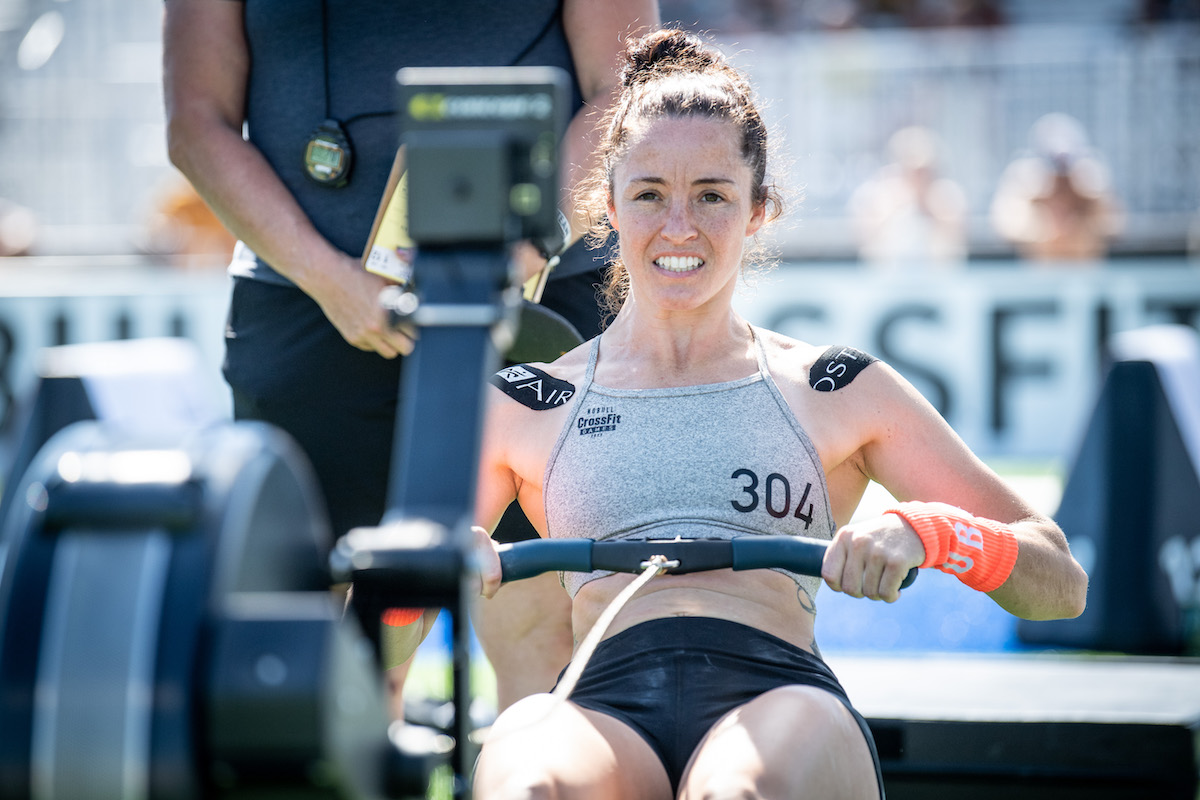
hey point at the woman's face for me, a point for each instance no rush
(682, 205)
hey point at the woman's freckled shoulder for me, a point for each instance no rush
(788, 357)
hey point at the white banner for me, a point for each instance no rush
(1011, 355)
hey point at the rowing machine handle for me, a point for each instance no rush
(525, 559)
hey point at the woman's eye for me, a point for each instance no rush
(711, 197)
(646, 196)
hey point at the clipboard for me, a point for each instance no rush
(389, 252)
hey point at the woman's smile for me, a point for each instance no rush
(679, 264)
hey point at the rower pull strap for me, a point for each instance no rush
(652, 567)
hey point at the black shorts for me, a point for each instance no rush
(286, 364)
(672, 679)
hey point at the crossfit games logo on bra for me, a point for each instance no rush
(597, 420)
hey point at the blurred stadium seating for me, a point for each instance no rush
(81, 119)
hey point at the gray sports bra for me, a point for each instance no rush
(712, 461)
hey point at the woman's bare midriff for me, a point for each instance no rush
(761, 599)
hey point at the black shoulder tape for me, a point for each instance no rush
(836, 367)
(532, 387)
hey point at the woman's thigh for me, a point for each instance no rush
(791, 742)
(543, 748)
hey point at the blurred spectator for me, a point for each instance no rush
(184, 229)
(18, 229)
(1169, 10)
(740, 17)
(929, 13)
(975, 13)
(907, 217)
(1056, 204)
(778, 15)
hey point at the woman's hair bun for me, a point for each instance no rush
(665, 51)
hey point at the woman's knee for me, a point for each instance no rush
(509, 771)
(543, 748)
(727, 785)
(521, 784)
(525, 752)
(791, 742)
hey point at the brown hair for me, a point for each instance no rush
(673, 73)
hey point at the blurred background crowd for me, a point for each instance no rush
(915, 134)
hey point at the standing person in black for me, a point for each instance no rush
(249, 86)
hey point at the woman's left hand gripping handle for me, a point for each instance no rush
(487, 560)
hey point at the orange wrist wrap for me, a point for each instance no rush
(980, 552)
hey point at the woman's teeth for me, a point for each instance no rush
(678, 263)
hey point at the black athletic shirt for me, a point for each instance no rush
(355, 55)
